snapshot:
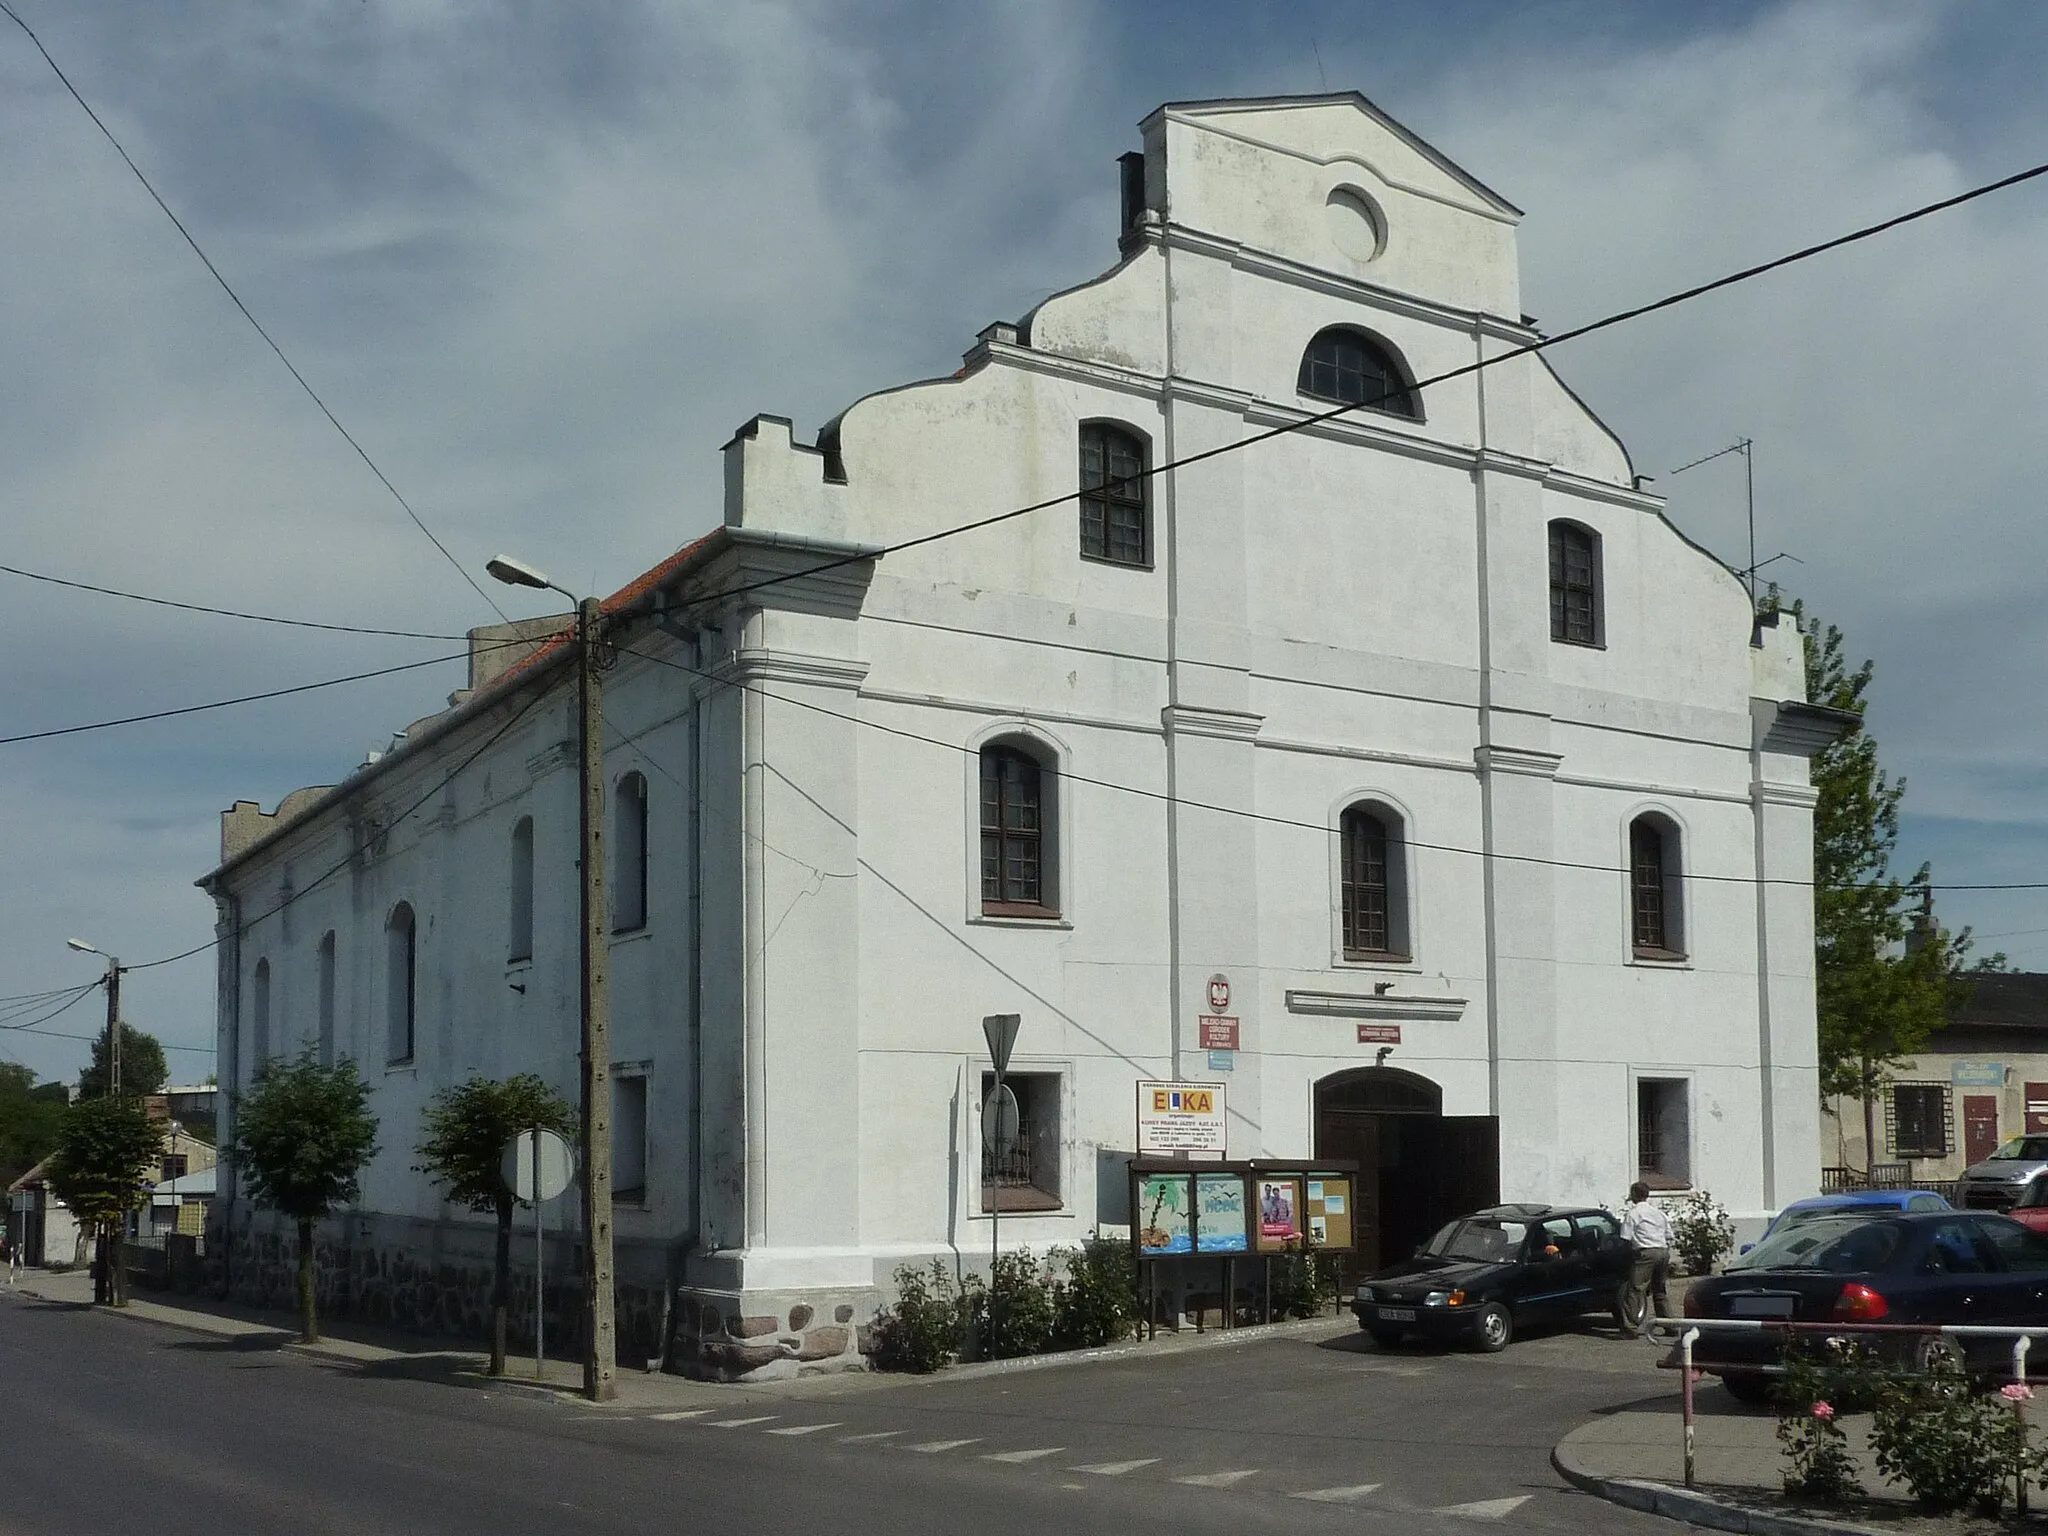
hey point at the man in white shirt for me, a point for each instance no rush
(1646, 1229)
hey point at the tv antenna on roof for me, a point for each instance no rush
(1747, 448)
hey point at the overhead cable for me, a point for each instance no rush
(229, 613)
(236, 298)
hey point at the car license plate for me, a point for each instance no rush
(1397, 1314)
(1761, 1306)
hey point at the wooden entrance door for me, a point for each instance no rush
(1980, 1126)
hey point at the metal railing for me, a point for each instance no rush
(1689, 1330)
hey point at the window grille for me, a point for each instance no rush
(1013, 872)
(1917, 1120)
(1574, 585)
(1349, 368)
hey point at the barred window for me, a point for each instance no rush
(401, 979)
(1351, 368)
(1919, 1119)
(1023, 1175)
(1574, 584)
(1016, 873)
(1115, 515)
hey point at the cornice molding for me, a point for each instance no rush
(1223, 724)
(550, 759)
(1356, 1005)
(1521, 760)
(761, 665)
(1798, 728)
(1798, 797)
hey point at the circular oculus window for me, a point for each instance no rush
(1355, 225)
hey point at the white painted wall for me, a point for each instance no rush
(1355, 610)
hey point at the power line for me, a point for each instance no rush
(30, 1027)
(247, 698)
(1228, 810)
(350, 857)
(1527, 349)
(230, 613)
(236, 298)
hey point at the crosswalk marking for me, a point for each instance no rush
(1018, 1458)
(1485, 1509)
(681, 1413)
(1116, 1468)
(741, 1423)
(1338, 1495)
(804, 1429)
(883, 1434)
(933, 1447)
(1218, 1479)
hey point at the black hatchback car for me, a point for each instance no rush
(1485, 1275)
(1957, 1267)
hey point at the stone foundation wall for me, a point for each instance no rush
(725, 1335)
(429, 1278)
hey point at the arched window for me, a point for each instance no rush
(1656, 908)
(1018, 850)
(326, 989)
(1575, 585)
(401, 977)
(1351, 368)
(519, 933)
(629, 854)
(1374, 884)
(1116, 522)
(259, 1022)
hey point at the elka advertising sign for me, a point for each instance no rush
(1181, 1120)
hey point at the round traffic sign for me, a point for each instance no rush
(556, 1165)
(999, 1122)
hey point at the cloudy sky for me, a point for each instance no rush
(542, 259)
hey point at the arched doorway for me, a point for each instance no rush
(1417, 1167)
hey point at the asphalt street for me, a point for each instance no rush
(121, 1425)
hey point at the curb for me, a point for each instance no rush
(1696, 1508)
(1187, 1342)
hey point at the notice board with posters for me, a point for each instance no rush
(1277, 1214)
(1327, 1205)
(1164, 1210)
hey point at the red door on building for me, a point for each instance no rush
(1980, 1126)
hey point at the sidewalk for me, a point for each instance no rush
(1636, 1457)
(388, 1352)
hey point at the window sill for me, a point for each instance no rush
(629, 1199)
(1118, 565)
(1664, 1183)
(1057, 1208)
(631, 935)
(1579, 645)
(408, 1067)
(519, 966)
(1020, 918)
(1373, 960)
(1660, 960)
(1414, 419)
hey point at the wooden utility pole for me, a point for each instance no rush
(107, 1283)
(599, 1330)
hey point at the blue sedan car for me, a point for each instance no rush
(1857, 1202)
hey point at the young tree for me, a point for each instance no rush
(142, 1066)
(1882, 983)
(466, 1131)
(103, 1165)
(302, 1136)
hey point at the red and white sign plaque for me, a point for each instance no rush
(1379, 1034)
(1219, 1032)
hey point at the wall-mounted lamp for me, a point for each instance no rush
(1379, 1057)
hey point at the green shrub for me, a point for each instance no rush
(1304, 1282)
(1097, 1302)
(1953, 1448)
(921, 1330)
(1013, 1312)
(1702, 1231)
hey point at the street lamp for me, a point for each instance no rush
(596, 1179)
(113, 986)
(107, 1259)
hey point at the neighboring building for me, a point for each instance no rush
(179, 1204)
(194, 1107)
(1480, 789)
(42, 1224)
(1982, 1078)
